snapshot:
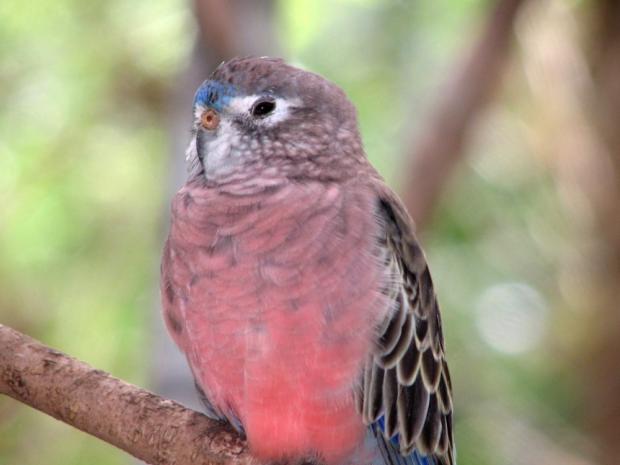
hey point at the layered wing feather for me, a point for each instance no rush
(406, 394)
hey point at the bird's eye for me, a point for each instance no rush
(263, 107)
(210, 119)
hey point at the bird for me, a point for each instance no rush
(293, 282)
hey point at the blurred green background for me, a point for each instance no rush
(518, 242)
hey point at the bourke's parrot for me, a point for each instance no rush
(294, 284)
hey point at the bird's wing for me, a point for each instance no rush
(406, 395)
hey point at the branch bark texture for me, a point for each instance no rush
(441, 144)
(153, 429)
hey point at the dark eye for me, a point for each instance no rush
(263, 108)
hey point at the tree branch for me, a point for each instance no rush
(216, 22)
(441, 142)
(151, 428)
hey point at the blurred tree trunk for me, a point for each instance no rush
(443, 140)
(604, 366)
(577, 109)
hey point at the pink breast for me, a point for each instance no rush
(280, 298)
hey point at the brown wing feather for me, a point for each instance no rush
(407, 377)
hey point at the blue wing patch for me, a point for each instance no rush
(390, 450)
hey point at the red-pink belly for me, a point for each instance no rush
(289, 375)
(279, 312)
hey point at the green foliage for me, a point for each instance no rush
(82, 156)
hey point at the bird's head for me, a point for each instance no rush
(262, 118)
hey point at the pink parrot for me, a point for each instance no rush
(294, 284)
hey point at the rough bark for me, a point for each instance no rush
(441, 143)
(146, 426)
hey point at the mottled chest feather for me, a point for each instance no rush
(275, 299)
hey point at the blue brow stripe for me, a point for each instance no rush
(214, 94)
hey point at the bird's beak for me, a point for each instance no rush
(210, 119)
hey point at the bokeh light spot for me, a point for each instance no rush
(511, 317)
